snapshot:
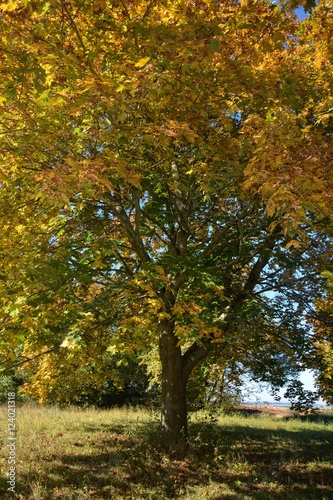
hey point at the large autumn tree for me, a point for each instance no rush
(164, 164)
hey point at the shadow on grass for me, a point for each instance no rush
(314, 417)
(231, 462)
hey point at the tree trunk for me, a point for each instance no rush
(174, 408)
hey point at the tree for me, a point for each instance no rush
(164, 165)
(79, 377)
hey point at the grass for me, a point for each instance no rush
(114, 454)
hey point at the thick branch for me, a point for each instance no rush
(196, 353)
(252, 280)
(147, 10)
(131, 232)
(199, 350)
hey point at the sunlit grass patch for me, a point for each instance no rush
(92, 453)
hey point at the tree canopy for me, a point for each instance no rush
(165, 181)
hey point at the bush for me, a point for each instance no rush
(11, 382)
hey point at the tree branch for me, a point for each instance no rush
(199, 349)
(27, 360)
(75, 29)
(196, 353)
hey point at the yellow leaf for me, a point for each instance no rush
(292, 243)
(142, 62)
(106, 183)
(68, 343)
(10, 6)
(20, 228)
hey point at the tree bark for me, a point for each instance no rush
(174, 406)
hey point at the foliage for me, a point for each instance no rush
(302, 400)
(322, 342)
(75, 377)
(164, 165)
(11, 382)
(213, 387)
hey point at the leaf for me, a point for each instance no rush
(293, 243)
(142, 62)
(214, 45)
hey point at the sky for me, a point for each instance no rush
(300, 13)
(260, 395)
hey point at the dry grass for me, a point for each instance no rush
(114, 454)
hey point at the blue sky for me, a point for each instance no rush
(300, 13)
(264, 396)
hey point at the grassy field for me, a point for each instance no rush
(114, 454)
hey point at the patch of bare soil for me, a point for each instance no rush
(284, 412)
(277, 411)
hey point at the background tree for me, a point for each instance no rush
(164, 165)
(75, 376)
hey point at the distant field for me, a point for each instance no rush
(114, 454)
